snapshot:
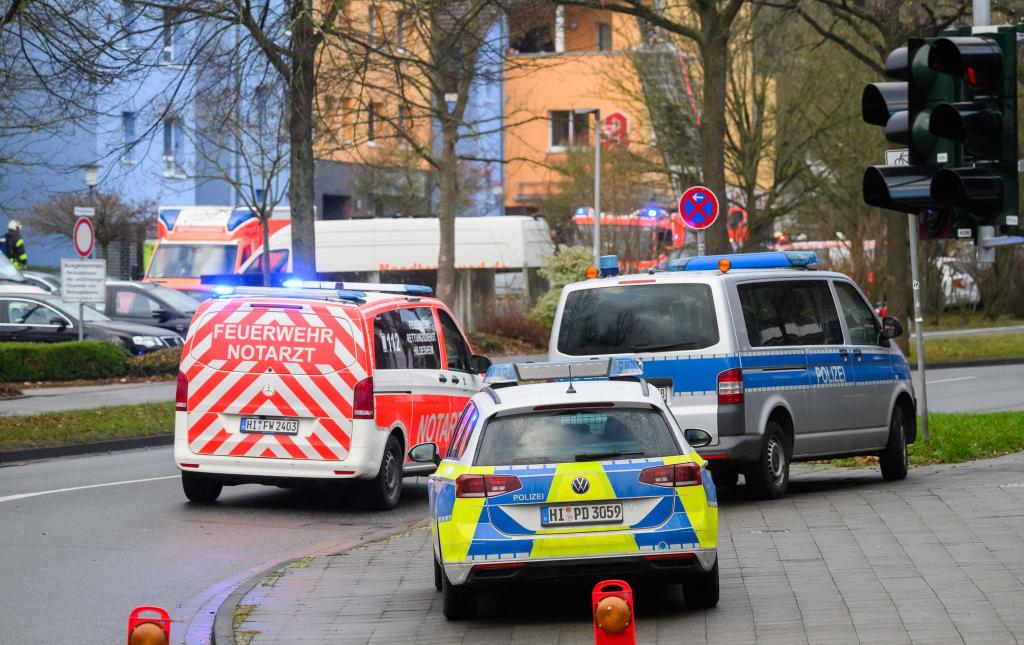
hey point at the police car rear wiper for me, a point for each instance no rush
(664, 346)
(598, 456)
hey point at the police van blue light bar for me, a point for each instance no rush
(616, 366)
(608, 265)
(768, 260)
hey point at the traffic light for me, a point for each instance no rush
(955, 108)
(982, 122)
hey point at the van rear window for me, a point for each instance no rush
(638, 318)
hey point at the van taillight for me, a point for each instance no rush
(362, 399)
(730, 386)
(675, 476)
(181, 393)
(486, 485)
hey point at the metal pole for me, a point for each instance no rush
(81, 321)
(982, 13)
(700, 242)
(918, 324)
(597, 187)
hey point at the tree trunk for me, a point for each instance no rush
(714, 52)
(265, 256)
(449, 178)
(898, 289)
(301, 90)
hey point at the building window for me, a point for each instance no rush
(604, 37)
(371, 122)
(401, 30)
(348, 120)
(128, 137)
(569, 129)
(404, 122)
(173, 147)
(371, 29)
(129, 14)
(168, 35)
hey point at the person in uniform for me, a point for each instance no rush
(15, 247)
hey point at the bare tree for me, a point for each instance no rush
(113, 218)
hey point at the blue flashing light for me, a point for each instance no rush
(169, 217)
(292, 283)
(223, 289)
(625, 366)
(348, 294)
(238, 217)
(769, 260)
(502, 373)
(651, 212)
(418, 290)
(608, 265)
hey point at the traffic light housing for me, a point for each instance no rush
(954, 106)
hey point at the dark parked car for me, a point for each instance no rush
(48, 319)
(149, 304)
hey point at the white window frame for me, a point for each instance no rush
(173, 166)
(552, 146)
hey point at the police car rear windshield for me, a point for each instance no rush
(638, 318)
(583, 434)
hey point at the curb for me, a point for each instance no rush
(223, 623)
(67, 450)
(990, 362)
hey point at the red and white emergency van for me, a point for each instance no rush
(320, 382)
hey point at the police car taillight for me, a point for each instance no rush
(730, 386)
(674, 476)
(181, 393)
(486, 485)
(362, 399)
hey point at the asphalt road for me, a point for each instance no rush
(85, 540)
(973, 389)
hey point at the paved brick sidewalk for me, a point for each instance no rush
(845, 558)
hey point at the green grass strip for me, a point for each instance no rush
(970, 348)
(82, 426)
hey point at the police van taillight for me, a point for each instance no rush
(362, 399)
(181, 393)
(486, 485)
(730, 386)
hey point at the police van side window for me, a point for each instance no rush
(859, 318)
(406, 339)
(786, 313)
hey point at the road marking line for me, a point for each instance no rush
(11, 498)
(952, 380)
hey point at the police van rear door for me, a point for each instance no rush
(274, 378)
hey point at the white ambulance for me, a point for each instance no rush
(318, 383)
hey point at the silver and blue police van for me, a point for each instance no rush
(774, 361)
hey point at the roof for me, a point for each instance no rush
(593, 391)
(702, 277)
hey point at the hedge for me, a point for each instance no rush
(162, 361)
(88, 359)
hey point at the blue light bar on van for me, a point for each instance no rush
(616, 366)
(410, 289)
(238, 217)
(608, 265)
(769, 260)
(278, 292)
(169, 217)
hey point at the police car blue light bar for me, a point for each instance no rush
(768, 260)
(612, 367)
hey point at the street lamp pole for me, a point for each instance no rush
(597, 179)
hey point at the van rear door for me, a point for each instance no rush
(273, 378)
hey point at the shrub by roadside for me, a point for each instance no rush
(88, 359)
(568, 265)
(162, 361)
(509, 332)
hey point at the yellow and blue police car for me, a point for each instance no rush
(570, 469)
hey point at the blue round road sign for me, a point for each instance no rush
(698, 207)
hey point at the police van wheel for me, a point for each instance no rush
(199, 489)
(438, 574)
(701, 590)
(894, 458)
(769, 477)
(384, 490)
(457, 603)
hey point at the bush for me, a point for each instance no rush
(516, 325)
(162, 361)
(568, 265)
(87, 359)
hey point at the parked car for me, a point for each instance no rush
(12, 280)
(958, 287)
(148, 303)
(48, 282)
(46, 318)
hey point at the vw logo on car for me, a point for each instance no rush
(580, 485)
